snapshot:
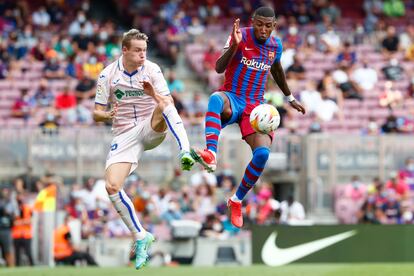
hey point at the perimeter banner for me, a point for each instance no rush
(280, 245)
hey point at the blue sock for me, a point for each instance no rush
(213, 121)
(253, 171)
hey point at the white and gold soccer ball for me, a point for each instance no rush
(264, 118)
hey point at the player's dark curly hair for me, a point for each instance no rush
(132, 34)
(264, 11)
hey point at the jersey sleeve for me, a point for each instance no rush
(102, 89)
(279, 49)
(158, 81)
(228, 43)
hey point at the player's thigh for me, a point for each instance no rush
(116, 174)
(150, 137)
(256, 140)
(158, 123)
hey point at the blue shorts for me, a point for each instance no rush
(241, 110)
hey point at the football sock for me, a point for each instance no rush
(252, 173)
(123, 205)
(213, 121)
(176, 126)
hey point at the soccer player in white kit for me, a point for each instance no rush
(142, 110)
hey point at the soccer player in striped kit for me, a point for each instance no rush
(249, 55)
(142, 111)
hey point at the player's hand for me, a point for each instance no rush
(148, 88)
(236, 35)
(114, 111)
(298, 106)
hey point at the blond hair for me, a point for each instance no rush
(132, 34)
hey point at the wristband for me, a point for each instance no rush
(290, 98)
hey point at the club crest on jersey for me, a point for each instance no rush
(271, 55)
(254, 64)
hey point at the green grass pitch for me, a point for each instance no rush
(291, 270)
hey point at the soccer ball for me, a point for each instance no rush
(264, 118)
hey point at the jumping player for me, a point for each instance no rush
(249, 55)
(142, 111)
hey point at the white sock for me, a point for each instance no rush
(126, 210)
(176, 126)
(234, 198)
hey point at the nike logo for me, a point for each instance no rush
(248, 49)
(178, 123)
(115, 82)
(102, 76)
(275, 256)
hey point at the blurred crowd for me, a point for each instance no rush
(203, 200)
(50, 56)
(389, 202)
(71, 45)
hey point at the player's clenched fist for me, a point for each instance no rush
(114, 111)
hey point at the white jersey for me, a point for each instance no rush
(116, 84)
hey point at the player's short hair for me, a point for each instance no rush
(265, 12)
(132, 34)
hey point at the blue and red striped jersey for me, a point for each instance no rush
(247, 73)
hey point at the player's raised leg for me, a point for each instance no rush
(115, 177)
(260, 145)
(218, 110)
(165, 114)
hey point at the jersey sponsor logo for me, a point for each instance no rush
(255, 65)
(134, 93)
(119, 94)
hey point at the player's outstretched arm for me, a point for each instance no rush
(101, 115)
(280, 78)
(236, 37)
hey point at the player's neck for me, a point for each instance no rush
(130, 67)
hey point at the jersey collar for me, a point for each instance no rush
(121, 68)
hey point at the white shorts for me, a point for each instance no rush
(129, 146)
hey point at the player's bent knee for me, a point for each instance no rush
(165, 101)
(219, 102)
(112, 187)
(217, 98)
(261, 154)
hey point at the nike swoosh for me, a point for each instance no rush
(248, 49)
(275, 256)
